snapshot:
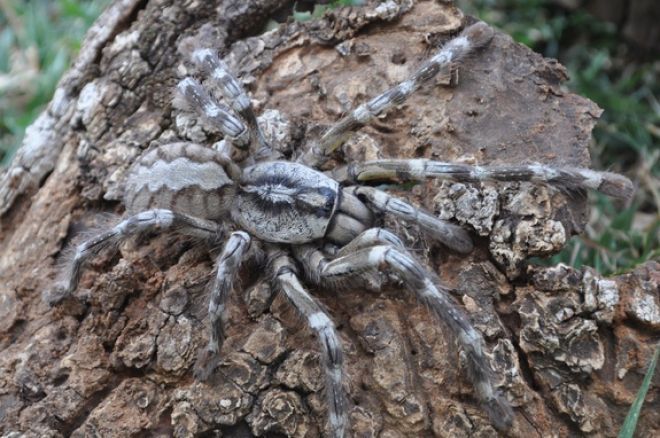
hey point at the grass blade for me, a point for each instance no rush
(630, 423)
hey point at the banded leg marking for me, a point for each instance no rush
(369, 238)
(451, 235)
(472, 38)
(232, 90)
(313, 260)
(570, 178)
(150, 220)
(227, 266)
(332, 355)
(214, 112)
(428, 290)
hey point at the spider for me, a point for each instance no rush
(312, 224)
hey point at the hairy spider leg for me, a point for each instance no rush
(371, 237)
(418, 280)
(227, 267)
(231, 88)
(147, 221)
(312, 258)
(214, 112)
(288, 283)
(450, 235)
(455, 50)
(568, 178)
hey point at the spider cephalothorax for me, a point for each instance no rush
(320, 224)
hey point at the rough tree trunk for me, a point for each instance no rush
(570, 347)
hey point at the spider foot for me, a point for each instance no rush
(500, 412)
(207, 361)
(56, 295)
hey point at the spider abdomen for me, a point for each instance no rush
(183, 177)
(285, 202)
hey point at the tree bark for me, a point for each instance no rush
(570, 348)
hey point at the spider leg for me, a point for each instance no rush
(449, 234)
(226, 272)
(233, 91)
(287, 281)
(339, 272)
(150, 220)
(214, 112)
(569, 178)
(371, 237)
(227, 266)
(311, 258)
(470, 39)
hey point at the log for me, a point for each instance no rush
(569, 347)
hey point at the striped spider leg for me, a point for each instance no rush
(402, 170)
(157, 220)
(227, 265)
(454, 51)
(287, 282)
(377, 250)
(214, 112)
(216, 69)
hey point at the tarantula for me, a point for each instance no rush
(295, 213)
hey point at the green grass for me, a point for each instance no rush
(630, 423)
(618, 237)
(38, 40)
